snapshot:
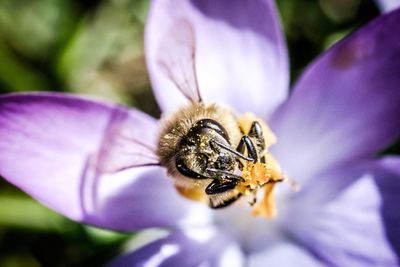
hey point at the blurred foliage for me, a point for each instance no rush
(30, 35)
(33, 235)
(105, 54)
(313, 26)
(96, 47)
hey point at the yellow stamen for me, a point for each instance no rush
(267, 206)
(258, 175)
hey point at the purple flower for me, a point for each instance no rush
(81, 156)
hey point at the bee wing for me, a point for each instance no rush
(126, 145)
(176, 57)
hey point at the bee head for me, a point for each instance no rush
(198, 152)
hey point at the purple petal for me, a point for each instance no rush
(391, 163)
(284, 254)
(51, 145)
(388, 5)
(201, 247)
(388, 180)
(346, 105)
(239, 49)
(348, 230)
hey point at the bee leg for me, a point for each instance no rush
(256, 132)
(218, 186)
(245, 141)
(253, 200)
(218, 204)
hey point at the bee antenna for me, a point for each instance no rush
(227, 148)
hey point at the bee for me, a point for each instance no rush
(210, 153)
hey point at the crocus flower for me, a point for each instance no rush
(342, 111)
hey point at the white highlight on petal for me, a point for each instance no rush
(232, 257)
(144, 238)
(253, 233)
(202, 234)
(165, 252)
(200, 214)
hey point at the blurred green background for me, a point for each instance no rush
(96, 47)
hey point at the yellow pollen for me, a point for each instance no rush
(261, 175)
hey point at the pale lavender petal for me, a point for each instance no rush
(346, 105)
(196, 247)
(240, 54)
(284, 254)
(137, 199)
(51, 145)
(388, 5)
(347, 230)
